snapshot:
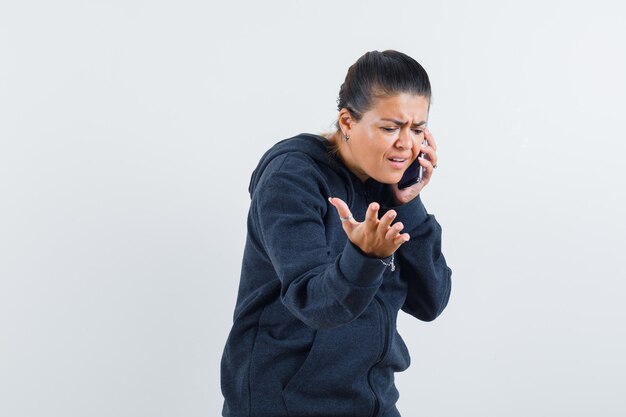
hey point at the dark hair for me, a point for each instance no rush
(381, 74)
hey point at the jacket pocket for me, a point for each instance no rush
(301, 372)
(398, 358)
(333, 378)
(282, 345)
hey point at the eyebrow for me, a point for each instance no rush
(401, 123)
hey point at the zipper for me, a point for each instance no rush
(385, 328)
(383, 353)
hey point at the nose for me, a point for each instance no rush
(404, 141)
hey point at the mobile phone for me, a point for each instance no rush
(414, 173)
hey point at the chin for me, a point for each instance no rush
(389, 179)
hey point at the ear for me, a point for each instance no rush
(345, 121)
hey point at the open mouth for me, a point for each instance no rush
(398, 163)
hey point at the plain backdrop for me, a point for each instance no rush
(128, 133)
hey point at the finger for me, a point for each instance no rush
(428, 167)
(400, 239)
(385, 221)
(371, 216)
(394, 231)
(343, 210)
(430, 139)
(430, 153)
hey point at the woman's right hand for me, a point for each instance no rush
(377, 238)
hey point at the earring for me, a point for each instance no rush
(347, 137)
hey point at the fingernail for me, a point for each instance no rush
(391, 215)
(406, 239)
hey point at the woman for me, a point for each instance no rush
(334, 250)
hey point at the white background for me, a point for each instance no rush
(128, 133)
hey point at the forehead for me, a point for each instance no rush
(404, 106)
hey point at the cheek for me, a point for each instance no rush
(377, 154)
(373, 149)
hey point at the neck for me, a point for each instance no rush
(343, 151)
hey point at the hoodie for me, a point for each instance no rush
(314, 328)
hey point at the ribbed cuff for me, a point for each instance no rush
(360, 269)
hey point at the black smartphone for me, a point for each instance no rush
(413, 173)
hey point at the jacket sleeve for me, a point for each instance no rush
(422, 265)
(289, 208)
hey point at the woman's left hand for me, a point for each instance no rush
(429, 162)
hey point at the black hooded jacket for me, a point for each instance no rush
(314, 331)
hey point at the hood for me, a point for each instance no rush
(316, 147)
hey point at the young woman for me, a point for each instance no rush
(334, 250)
